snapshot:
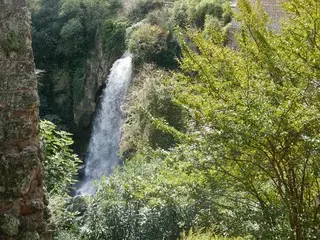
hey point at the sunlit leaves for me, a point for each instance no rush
(60, 163)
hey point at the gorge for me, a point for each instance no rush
(218, 135)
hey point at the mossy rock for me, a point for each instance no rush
(13, 42)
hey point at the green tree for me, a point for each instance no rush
(114, 37)
(255, 112)
(146, 42)
(149, 97)
(46, 27)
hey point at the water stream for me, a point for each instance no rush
(104, 143)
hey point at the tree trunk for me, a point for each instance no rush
(22, 198)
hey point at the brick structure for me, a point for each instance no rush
(22, 199)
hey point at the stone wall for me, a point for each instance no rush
(273, 9)
(22, 199)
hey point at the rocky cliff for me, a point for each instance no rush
(95, 77)
(22, 199)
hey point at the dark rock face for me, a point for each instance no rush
(96, 73)
(21, 175)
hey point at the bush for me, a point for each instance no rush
(146, 42)
(114, 37)
(141, 8)
(206, 7)
(73, 39)
(205, 236)
(148, 98)
(60, 167)
(60, 163)
(213, 30)
(147, 199)
(159, 195)
(181, 14)
(194, 13)
(161, 17)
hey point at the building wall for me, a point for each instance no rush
(273, 9)
(22, 198)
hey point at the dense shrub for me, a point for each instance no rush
(46, 27)
(60, 167)
(193, 13)
(180, 14)
(146, 42)
(205, 236)
(213, 30)
(147, 199)
(161, 17)
(114, 37)
(140, 8)
(60, 163)
(206, 7)
(149, 98)
(160, 195)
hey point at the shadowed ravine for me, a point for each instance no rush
(104, 143)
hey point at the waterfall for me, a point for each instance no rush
(104, 143)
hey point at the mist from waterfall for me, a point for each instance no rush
(105, 139)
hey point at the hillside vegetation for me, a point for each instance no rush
(218, 143)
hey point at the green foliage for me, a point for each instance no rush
(194, 13)
(114, 37)
(206, 7)
(60, 168)
(72, 41)
(60, 163)
(142, 7)
(150, 97)
(181, 14)
(160, 17)
(159, 195)
(255, 112)
(63, 218)
(33, 5)
(84, 20)
(146, 42)
(147, 199)
(205, 236)
(46, 27)
(227, 13)
(213, 30)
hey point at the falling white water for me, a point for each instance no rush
(105, 139)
